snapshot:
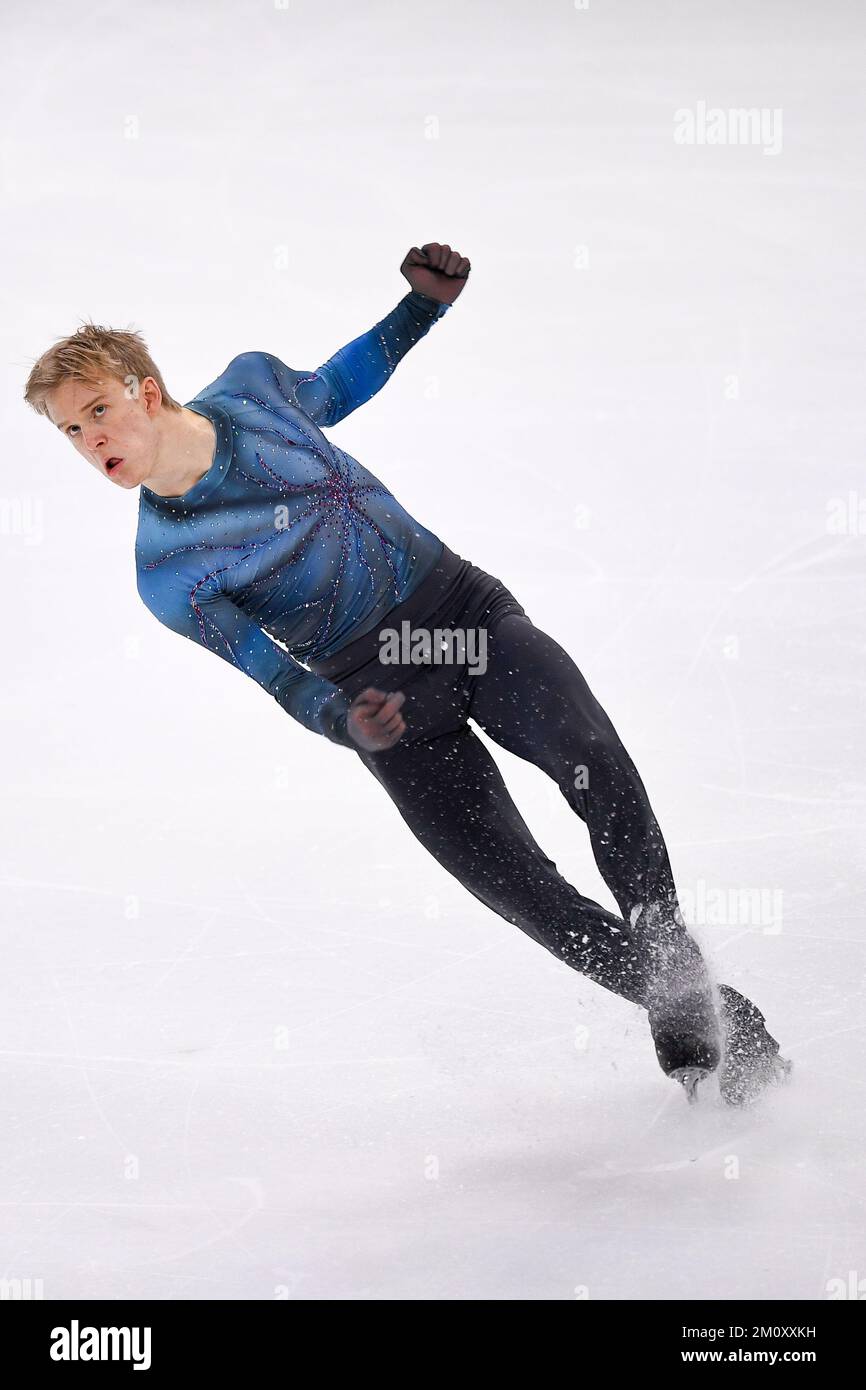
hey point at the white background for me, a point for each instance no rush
(254, 1041)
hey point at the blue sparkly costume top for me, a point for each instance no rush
(286, 538)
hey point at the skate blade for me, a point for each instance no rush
(689, 1078)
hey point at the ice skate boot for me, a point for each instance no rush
(750, 1055)
(687, 1036)
(682, 1013)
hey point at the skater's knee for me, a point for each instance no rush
(589, 754)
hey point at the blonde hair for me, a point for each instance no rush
(89, 355)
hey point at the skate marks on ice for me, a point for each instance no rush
(704, 1133)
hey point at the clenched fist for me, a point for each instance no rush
(436, 270)
(374, 720)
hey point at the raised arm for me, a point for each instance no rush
(357, 371)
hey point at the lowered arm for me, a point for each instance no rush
(209, 617)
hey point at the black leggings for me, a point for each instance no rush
(532, 699)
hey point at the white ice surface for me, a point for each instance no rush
(254, 1041)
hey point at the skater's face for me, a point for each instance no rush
(106, 421)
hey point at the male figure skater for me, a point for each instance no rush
(255, 530)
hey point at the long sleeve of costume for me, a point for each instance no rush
(210, 618)
(357, 371)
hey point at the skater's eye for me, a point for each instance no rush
(99, 417)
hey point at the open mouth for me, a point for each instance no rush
(112, 464)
